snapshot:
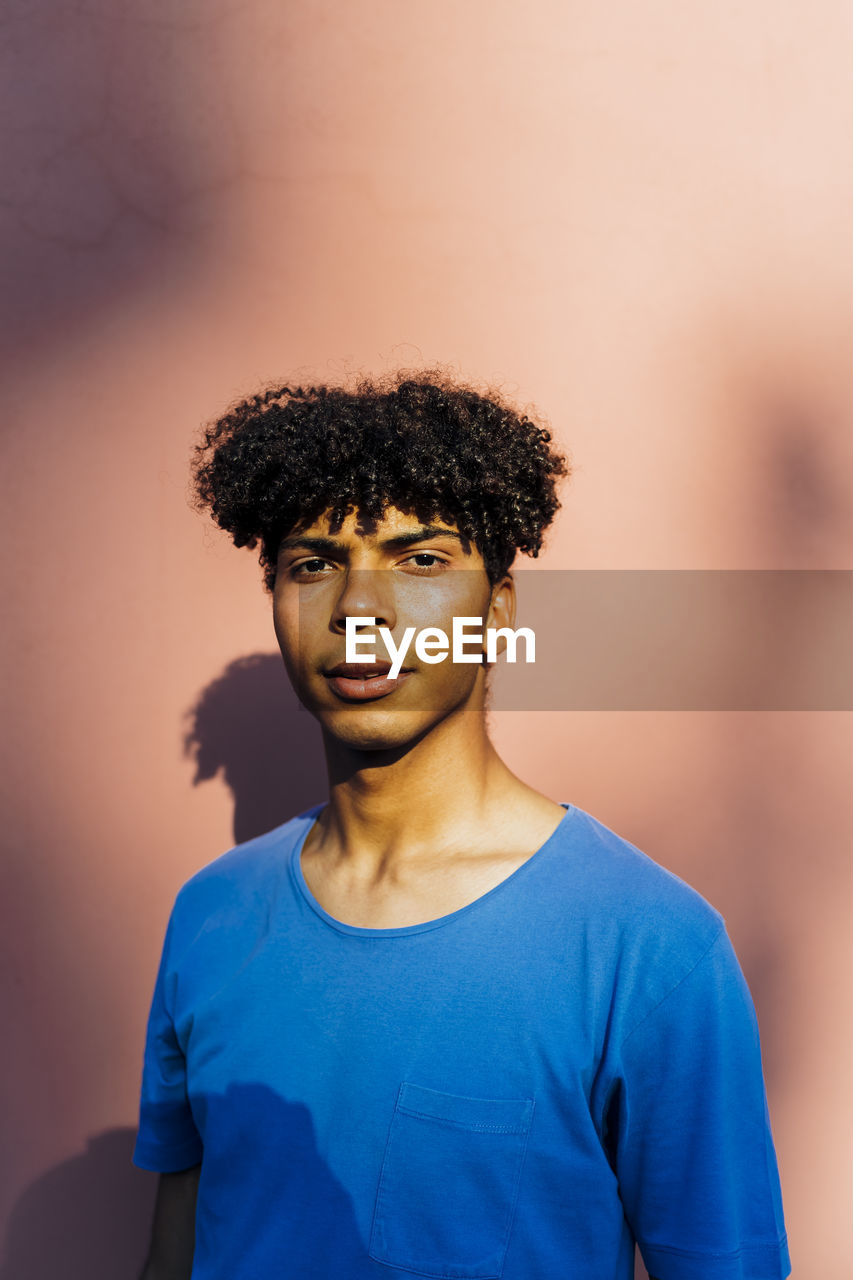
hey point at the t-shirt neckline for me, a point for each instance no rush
(425, 926)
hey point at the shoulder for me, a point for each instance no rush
(624, 881)
(241, 882)
(222, 914)
(647, 927)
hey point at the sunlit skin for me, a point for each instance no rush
(423, 815)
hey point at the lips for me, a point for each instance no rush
(360, 670)
(364, 681)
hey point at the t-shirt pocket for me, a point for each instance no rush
(449, 1182)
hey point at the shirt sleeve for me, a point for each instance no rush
(167, 1140)
(694, 1153)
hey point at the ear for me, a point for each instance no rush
(502, 608)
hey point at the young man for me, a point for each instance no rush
(440, 1025)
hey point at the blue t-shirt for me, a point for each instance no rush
(519, 1089)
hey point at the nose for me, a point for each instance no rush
(365, 593)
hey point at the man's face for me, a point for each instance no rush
(404, 575)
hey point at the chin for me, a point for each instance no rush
(379, 732)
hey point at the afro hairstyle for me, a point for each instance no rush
(422, 442)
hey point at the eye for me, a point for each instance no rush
(304, 569)
(438, 565)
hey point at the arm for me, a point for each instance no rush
(695, 1159)
(170, 1254)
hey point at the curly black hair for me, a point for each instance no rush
(422, 442)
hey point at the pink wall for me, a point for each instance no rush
(636, 215)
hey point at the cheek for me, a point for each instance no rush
(278, 620)
(287, 626)
(457, 598)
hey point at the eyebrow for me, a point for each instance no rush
(330, 546)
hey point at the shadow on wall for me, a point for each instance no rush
(86, 1219)
(115, 134)
(249, 726)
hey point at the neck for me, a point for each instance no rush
(388, 807)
